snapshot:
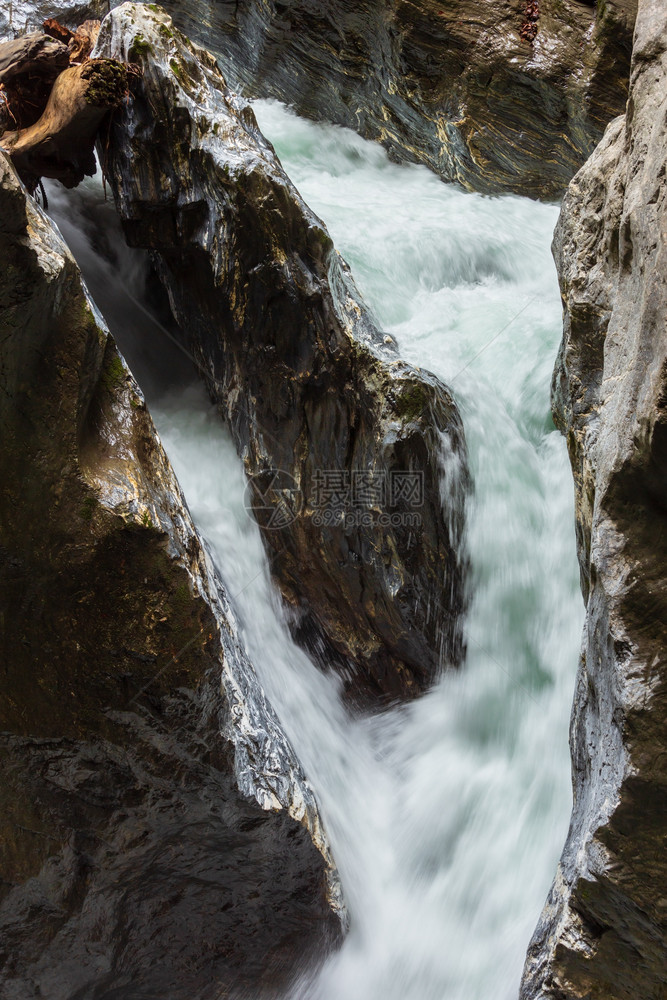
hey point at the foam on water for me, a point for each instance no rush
(446, 817)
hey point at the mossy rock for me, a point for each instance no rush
(114, 374)
(139, 48)
(412, 402)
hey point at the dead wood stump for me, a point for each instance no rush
(60, 145)
(28, 68)
(82, 42)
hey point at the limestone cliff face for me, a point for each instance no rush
(373, 574)
(603, 932)
(153, 826)
(448, 83)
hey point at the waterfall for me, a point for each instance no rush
(447, 816)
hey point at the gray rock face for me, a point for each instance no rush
(21, 16)
(448, 83)
(144, 852)
(373, 579)
(603, 932)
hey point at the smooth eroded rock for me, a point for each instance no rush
(19, 16)
(603, 932)
(449, 83)
(485, 94)
(357, 460)
(154, 826)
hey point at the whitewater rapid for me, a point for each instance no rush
(447, 817)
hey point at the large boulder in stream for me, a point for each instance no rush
(156, 830)
(603, 932)
(509, 95)
(357, 460)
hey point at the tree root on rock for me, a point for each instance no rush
(61, 144)
(80, 43)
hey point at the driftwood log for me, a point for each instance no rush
(53, 99)
(28, 68)
(80, 43)
(60, 145)
(57, 30)
(34, 55)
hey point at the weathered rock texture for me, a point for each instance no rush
(20, 16)
(448, 83)
(130, 862)
(603, 932)
(299, 369)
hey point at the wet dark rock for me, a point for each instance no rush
(603, 932)
(503, 96)
(306, 381)
(155, 830)
(481, 92)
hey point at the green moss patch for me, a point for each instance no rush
(114, 373)
(139, 48)
(107, 82)
(412, 402)
(178, 71)
(88, 508)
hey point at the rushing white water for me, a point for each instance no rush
(446, 817)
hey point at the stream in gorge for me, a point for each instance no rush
(447, 816)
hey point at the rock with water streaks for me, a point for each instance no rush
(459, 85)
(20, 16)
(363, 520)
(603, 932)
(143, 852)
(504, 96)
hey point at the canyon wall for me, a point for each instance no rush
(603, 932)
(503, 96)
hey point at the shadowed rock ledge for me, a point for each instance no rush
(307, 383)
(135, 859)
(448, 83)
(603, 932)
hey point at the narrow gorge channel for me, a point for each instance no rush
(446, 817)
